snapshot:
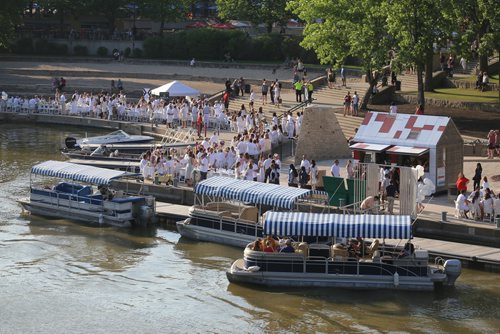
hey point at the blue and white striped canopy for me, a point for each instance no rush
(251, 192)
(337, 225)
(82, 173)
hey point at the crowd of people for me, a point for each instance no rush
(481, 202)
(247, 157)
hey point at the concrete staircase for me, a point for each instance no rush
(322, 95)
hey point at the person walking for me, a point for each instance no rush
(347, 104)
(298, 90)
(265, 89)
(310, 88)
(355, 104)
(313, 172)
(477, 176)
(343, 76)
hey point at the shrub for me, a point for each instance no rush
(212, 44)
(80, 50)
(137, 53)
(44, 47)
(127, 52)
(102, 51)
(23, 46)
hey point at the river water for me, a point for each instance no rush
(57, 276)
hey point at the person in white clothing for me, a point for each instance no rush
(335, 170)
(393, 109)
(463, 203)
(204, 166)
(305, 163)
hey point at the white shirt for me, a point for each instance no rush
(393, 109)
(461, 202)
(305, 163)
(335, 170)
(204, 165)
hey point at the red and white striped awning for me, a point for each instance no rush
(368, 147)
(408, 150)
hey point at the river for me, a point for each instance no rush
(57, 276)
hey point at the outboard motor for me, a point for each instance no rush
(70, 142)
(453, 269)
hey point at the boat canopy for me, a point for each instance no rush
(251, 192)
(87, 174)
(337, 225)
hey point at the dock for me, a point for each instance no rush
(472, 256)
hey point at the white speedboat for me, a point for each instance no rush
(228, 211)
(321, 265)
(77, 198)
(115, 137)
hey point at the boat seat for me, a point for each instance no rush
(373, 247)
(319, 250)
(339, 252)
(302, 248)
(250, 214)
(376, 256)
(84, 192)
(68, 188)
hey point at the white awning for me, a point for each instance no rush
(88, 174)
(368, 147)
(176, 88)
(408, 150)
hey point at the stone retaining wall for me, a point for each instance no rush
(412, 99)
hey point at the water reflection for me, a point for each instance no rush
(151, 280)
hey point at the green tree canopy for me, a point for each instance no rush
(256, 11)
(478, 23)
(342, 28)
(415, 25)
(10, 16)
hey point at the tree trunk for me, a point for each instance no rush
(483, 63)
(366, 98)
(269, 27)
(428, 71)
(162, 25)
(420, 94)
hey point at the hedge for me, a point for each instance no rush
(80, 50)
(213, 44)
(102, 51)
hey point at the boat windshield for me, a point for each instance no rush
(119, 133)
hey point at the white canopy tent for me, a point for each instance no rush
(175, 88)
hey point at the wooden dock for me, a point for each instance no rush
(481, 257)
(171, 212)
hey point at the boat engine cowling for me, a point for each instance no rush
(453, 269)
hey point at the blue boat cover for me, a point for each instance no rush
(82, 173)
(251, 192)
(337, 225)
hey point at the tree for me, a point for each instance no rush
(415, 27)
(110, 9)
(477, 22)
(164, 10)
(62, 9)
(10, 16)
(256, 11)
(336, 30)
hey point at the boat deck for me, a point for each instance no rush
(470, 255)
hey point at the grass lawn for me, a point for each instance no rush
(472, 78)
(460, 94)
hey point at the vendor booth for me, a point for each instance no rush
(175, 88)
(409, 140)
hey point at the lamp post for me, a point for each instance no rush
(133, 7)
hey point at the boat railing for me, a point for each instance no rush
(323, 265)
(71, 200)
